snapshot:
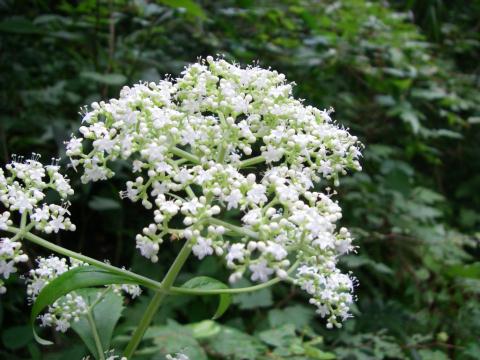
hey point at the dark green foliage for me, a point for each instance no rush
(403, 75)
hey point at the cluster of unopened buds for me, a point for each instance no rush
(232, 156)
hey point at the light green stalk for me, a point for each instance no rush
(157, 300)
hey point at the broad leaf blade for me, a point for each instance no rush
(105, 314)
(208, 283)
(470, 271)
(78, 278)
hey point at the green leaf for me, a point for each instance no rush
(174, 338)
(314, 353)
(471, 271)
(16, 337)
(204, 329)
(297, 315)
(252, 300)
(107, 79)
(18, 25)
(78, 278)
(208, 283)
(280, 337)
(105, 314)
(235, 344)
(190, 6)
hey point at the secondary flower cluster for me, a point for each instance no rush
(23, 189)
(70, 307)
(226, 142)
(10, 254)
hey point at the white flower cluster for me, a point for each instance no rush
(23, 189)
(71, 306)
(68, 308)
(222, 142)
(10, 255)
(130, 289)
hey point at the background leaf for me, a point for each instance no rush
(207, 283)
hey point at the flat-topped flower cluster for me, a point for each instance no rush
(226, 142)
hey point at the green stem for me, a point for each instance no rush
(237, 229)
(96, 337)
(185, 291)
(186, 155)
(190, 192)
(23, 220)
(142, 280)
(251, 161)
(22, 232)
(157, 300)
(99, 298)
(222, 148)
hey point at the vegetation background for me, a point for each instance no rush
(402, 75)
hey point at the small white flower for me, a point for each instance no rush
(5, 220)
(202, 248)
(272, 154)
(257, 194)
(233, 199)
(277, 250)
(260, 271)
(7, 268)
(236, 252)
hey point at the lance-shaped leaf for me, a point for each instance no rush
(78, 278)
(208, 283)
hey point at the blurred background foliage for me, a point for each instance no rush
(402, 75)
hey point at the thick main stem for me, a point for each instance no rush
(157, 300)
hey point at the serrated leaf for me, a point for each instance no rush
(174, 338)
(297, 315)
(105, 315)
(78, 278)
(235, 344)
(281, 336)
(208, 283)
